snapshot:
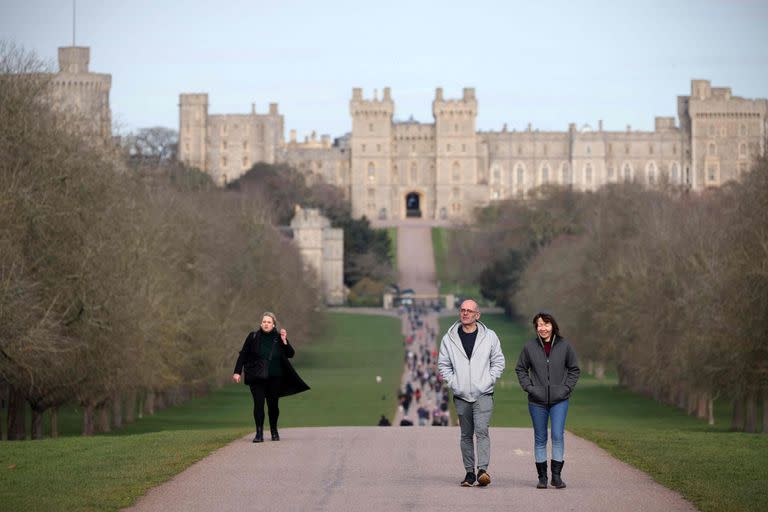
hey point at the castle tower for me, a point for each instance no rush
(456, 155)
(371, 144)
(82, 94)
(193, 121)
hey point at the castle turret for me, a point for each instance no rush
(371, 143)
(456, 154)
(193, 120)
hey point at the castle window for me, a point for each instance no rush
(674, 149)
(742, 168)
(362, 148)
(545, 174)
(742, 150)
(589, 150)
(371, 194)
(371, 172)
(448, 148)
(743, 130)
(186, 146)
(395, 175)
(414, 173)
(234, 127)
(675, 172)
(245, 161)
(711, 130)
(224, 144)
(456, 128)
(378, 147)
(520, 175)
(413, 148)
(245, 144)
(609, 149)
(463, 148)
(711, 173)
(626, 149)
(455, 193)
(723, 131)
(564, 178)
(650, 148)
(588, 174)
(223, 161)
(712, 149)
(496, 174)
(260, 133)
(370, 127)
(456, 171)
(495, 194)
(610, 172)
(651, 173)
(519, 149)
(627, 173)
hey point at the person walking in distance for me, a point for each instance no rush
(470, 361)
(268, 372)
(548, 371)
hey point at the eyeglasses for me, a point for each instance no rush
(467, 311)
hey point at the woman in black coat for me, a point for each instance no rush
(268, 372)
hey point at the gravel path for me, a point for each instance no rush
(386, 469)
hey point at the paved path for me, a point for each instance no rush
(390, 469)
(415, 259)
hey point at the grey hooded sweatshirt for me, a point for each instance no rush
(470, 378)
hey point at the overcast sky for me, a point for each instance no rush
(548, 63)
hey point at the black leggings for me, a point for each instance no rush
(268, 389)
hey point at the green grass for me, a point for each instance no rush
(392, 234)
(448, 285)
(716, 469)
(108, 472)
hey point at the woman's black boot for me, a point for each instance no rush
(275, 435)
(541, 469)
(259, 435)
(557, 468)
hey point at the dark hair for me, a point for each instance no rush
(549, 319)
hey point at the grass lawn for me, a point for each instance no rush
(108, 472)
(716, 469)
(440, 239)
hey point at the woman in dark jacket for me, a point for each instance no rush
(548, 371)
(268, 372)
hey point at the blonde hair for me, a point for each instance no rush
(270, 315)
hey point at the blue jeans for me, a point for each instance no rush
(540, 414)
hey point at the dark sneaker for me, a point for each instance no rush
(469, 479)
(483, 478)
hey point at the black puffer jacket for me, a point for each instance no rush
(548, 380)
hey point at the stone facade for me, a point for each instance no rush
(81, 95)
(391, 170)
(322, 250)
(227, 145)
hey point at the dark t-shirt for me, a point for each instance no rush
(468, 340)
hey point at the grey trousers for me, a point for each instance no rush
(474, 418)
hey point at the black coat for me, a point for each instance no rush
(548, 380)
(290, 383)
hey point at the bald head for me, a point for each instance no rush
(469, 314)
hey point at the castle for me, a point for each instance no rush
(392, 170)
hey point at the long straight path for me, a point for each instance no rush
(415, 259)
(385, 469)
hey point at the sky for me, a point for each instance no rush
(548, 63)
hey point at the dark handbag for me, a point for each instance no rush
(258, 368)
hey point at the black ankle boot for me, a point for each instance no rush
(541, 469)
(275, 435)
(557, 468)
(259, 435)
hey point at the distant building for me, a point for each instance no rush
(85, 95)
(394, 170)
(322, 249)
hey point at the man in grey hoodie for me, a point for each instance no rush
(470, 362)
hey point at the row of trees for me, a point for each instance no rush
(122, 288)
(668, 287)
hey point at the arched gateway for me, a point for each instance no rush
(413, 205)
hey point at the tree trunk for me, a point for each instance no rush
(3, 406)
(103, 418)
(711, 411)
(17, 416)
(149, 403)
(54, 422)
(600, 371)
(751, 414)
(37, 424)
(702, 406)
(88, 429)
(117, 411)
(765, 411)
(737, 420)
(130, 407)
(692, 403)
(160, 401)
